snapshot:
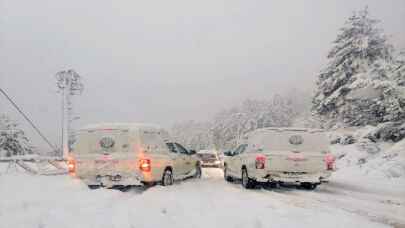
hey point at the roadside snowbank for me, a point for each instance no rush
(381, 160)
(60, 201)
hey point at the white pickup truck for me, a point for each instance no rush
(127, 154)
(281, 155)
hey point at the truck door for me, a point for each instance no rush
(236, 162)
(177, 160)
(188, 165)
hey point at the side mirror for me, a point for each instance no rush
(192, 152)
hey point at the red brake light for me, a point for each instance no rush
(330, 162)
(260, 162)
(144, 165)
(71, 166)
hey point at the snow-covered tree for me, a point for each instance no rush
(231, 124)
(356, 87)
(399, 69)
(193, 135)
(12, 138)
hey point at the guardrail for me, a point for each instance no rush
(34, 165)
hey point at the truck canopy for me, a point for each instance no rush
(288, 140)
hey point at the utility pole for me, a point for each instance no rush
(69, 84)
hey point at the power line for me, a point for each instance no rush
(26, 118)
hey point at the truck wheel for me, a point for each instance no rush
(226, 177)
(309, 186)
(198, 171)
(167, 178)
(122, 188)
(94, 186)
(273, 184)
(246, 181)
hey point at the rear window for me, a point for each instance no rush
(289, 140)
(152, 140)
(102, 140)
(207, 156)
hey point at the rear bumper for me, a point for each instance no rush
(211, 164)
(112, 180)
(293, 177)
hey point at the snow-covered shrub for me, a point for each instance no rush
(368, 146)
(390, 164)
(357, 87)
(377, 158)
(391, 131)
(341, 138)
(347, 139)
(335, 140)
(13, 141)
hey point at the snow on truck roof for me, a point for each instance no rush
(207, 152)
(129, 125)
(284, 129)
(310, 130)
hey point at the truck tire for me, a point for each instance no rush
(309, 186)
(93, 187)
(246, 181)
(226, 177)
(167, 178)
(198, 171)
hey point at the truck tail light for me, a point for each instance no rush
(260, 162)
(330, 162)
(71, 166)
(145, 165)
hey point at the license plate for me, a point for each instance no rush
(115, 178)
(296, 158)
(107, 178)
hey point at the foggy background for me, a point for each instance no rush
(167, 61)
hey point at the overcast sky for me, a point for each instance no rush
(164, 61)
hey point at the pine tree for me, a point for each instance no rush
(12, 139)
(399, 69)
(356, 87)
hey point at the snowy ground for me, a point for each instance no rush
(60, 201)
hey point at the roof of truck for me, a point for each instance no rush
(290, 129)
(207, 151)
(283, 129)
(123, 125)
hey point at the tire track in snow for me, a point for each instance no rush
(335, 195)
(348, 201)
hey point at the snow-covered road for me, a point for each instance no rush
(60, 201)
